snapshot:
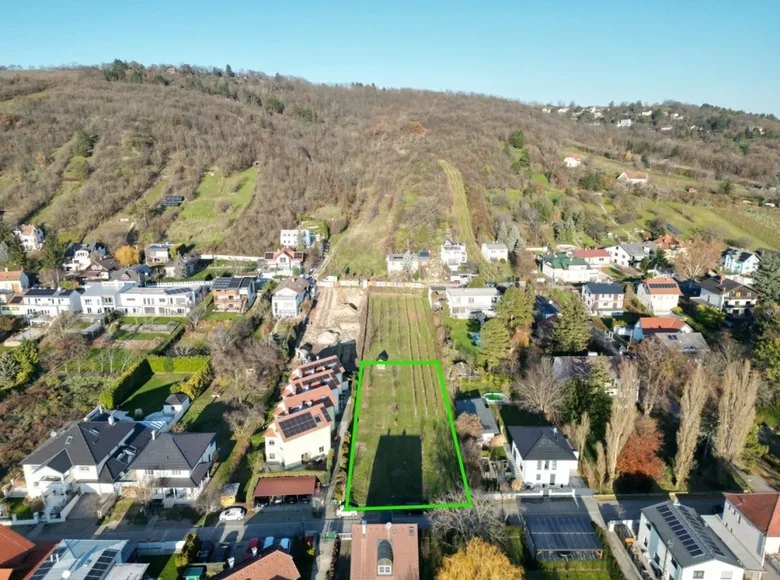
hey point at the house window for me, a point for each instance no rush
(271, 456)
(322, 449)
(554, 464)
(726, 575)
(84, 469)
(539, 464)
(698, 574)
(149, 472)
(547, 465)
(270, 442)
(384, 570)
(538, 477)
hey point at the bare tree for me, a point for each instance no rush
(456, 526)
(699, 257)
(468, 426)
(736, 409)
(208, 501)
(623, 418)
(62, 325)
(579, 432)
(144, 490)
(539, 390)
(243, 420)
(196, 315)
(222, 339)
(659, 371)
(694, 396)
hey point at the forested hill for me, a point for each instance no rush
(86, 149)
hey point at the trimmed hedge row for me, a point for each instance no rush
(198, 382)
(170, 339)
(115, 392)
(178, 364)
(188, 551)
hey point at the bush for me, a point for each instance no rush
(198, 382)
(115, 393)
(189, 551)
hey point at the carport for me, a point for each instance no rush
(563, 538)
(268, 488)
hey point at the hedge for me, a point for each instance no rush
(169, 340)
(189, 551)
(178, 364)
(115, 392)
(197, 383)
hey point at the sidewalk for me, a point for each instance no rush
(623, 559)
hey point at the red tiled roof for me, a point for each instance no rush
(404, 547)
(668, 242)
(661, 286)
(293, 485)
(276, 565)
(636, 175)
(314, 395)
(597, 253)
(573, 156)
(12, 276)
(315, 411)
(761, 509)
(12, 545)
(661, 324)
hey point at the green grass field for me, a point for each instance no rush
(218, 203)
(152, 394)
(360, 249)
(404, 451)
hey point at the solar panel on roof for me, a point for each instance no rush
(46, 565)
(297, 425)
(562, 533)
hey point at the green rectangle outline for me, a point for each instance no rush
(468, 503)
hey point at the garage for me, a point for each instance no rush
(281, 490)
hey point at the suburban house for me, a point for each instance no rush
(102, 297)
(288, 297)
(90, 560)
(634, 177)
(678, 544)
(300, 238)
(570, 368)
(175, 465)
(43, 302)
(495, 252)
(544, 308)
(298, 437)
(561, 268)
(79, 257)
(659, 295)
(624, 123)
(31, 237)
(731, 297)
(181, 266)
(738, 261)
(407, 262)
(161, 300)
(572, 160)
(603, 298)
(649, 326)
(18, 555)
(477, 406)
(453, 255)
(598, 257)
(275, 564)
(385, 551)
(631, 255)
(12, 305)
(283, 262)
(233, 294)
(100, 269)
(160, 253)
(671, 245)
(542, 455)
(14, 281)
(328, 369)
(137, 274)
(754, 519)
(466, 303)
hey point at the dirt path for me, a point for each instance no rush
(610, 218)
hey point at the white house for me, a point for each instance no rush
(298, 437)
(300, 238)
(634, 177)
(14, 281)
(562, 268)
(648, 113)
(679, 544)
(161, 300)
(159, 253)
(572, 160)
(283, 262)
(453, 255)
(625, 123)
(397, 263)
(754, 519)
(79, 257)
(738, 261)
(542, 455)
(659, 295)
(40, 302)
(31, 237)
(177, 465)
(730, 296)
(631, 255)
(288, 297)
(652, 325)
(603, 298)
(495, 252)
(597, 257)
(102, 297)
(465, 303)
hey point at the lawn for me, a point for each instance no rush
(162, 567)
(404, 450)
(19, 508)
(459, 332)
(219, 202)
(152, 394)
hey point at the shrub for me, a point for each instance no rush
(189, 551)
(119, 389)
(198, 382)
(178, 364)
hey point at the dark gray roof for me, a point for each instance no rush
(567, 368)
(477, 406)
(48, 292)
(685, 342)
(720, 285)
(738, 254)
(639, 250)
(86, 443)
(61, 462)
(121, 460)
(601, 288)
(176, 399)
(686, 536)
(172, 451)
(535, 443)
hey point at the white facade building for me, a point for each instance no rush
(659, 295)
(561, 268)
(495, 252)
(102, 297)
(466, 303)
(288, 297)
(297, 238)
(31, 237)
(40, 302)
(453, 255)
(161, 300)
(542, 456)
(572, 160)
(296, 438)
(79, 257)
(754, 519)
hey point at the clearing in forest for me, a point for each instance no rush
(404, 448)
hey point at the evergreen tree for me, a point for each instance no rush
(495, 342)
(228, 71)
(516, 308)
(571, 332)
(52, 253)
(517, 139)
(767, 278)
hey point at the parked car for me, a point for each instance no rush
(278, 499)
(222, 553)
(253, 544)
(232, 515)
(261, 502)
(304, 499)
(284, 544)
(269, 541)
(291, 499)
(204, 552)
(340, 512)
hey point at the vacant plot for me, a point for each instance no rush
(218, 203)
(403, 446)
(152, 394)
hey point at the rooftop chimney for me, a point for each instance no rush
(363, 523)
(154, 434)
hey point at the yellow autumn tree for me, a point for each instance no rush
(478, 560)
(127, 256)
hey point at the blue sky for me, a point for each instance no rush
(591, 51)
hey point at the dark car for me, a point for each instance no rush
(261, 502)
(304, 499)
(291, 499)
(222, 553)
(204, 552)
